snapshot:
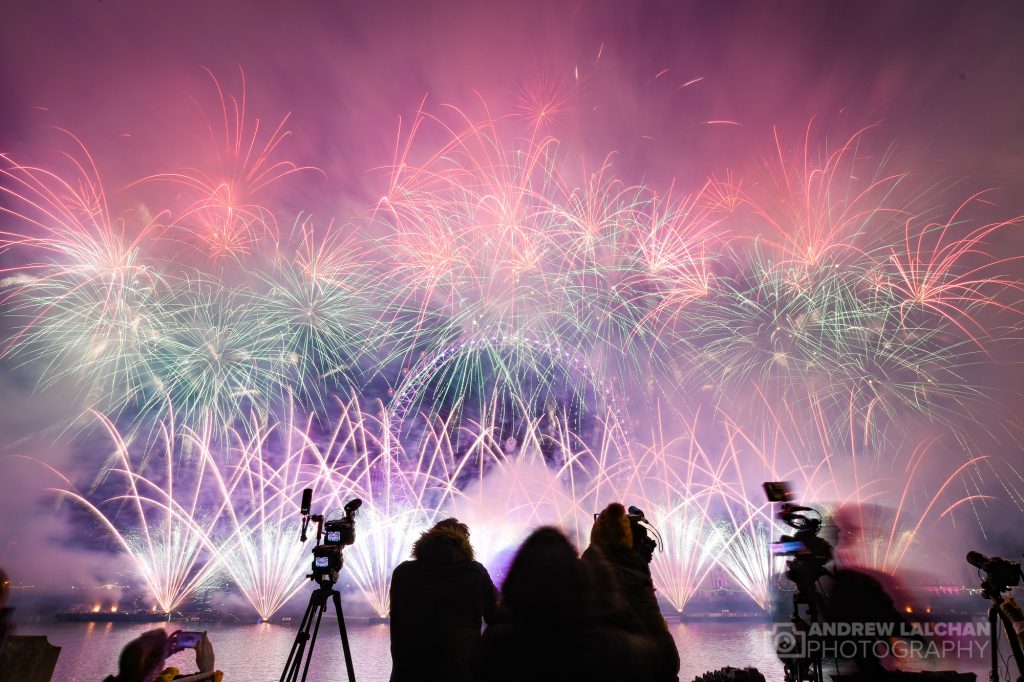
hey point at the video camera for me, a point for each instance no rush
(810, 553)
(642, 530)
(335, 535)
(1000, 574)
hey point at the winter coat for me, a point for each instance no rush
(857, 596)
(519, 652)
(634, 580)
(438, 603)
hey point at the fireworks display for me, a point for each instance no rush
(512, 338)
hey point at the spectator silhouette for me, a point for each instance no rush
(438, 600)
(611, 540)
(859, 594)
(550, 625)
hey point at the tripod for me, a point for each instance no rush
(316, 607)
(996, 617)
(805, 573)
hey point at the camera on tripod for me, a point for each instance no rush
(332, 536)
(335, 535)
(1000, 574)
(804, 544)
(808, 555)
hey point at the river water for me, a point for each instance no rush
(256, 653)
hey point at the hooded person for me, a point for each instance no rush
(611, 541)
(439, 601)
(550, 626)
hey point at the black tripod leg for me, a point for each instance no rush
(322, 604)
(1011, 639)
(344, 637)
(993, 626)
(291, 668)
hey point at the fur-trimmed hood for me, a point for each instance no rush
(443, 544)
(611, 528)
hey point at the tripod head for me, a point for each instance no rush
(1000, 575)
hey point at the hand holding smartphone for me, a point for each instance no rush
(182, 639)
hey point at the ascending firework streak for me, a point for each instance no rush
(543, 474)
(256, 538)
(851, 488)
(880, 539)
(401, 497)
(232, 511)
(678, 483)
(161, 521)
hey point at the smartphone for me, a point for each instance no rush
(189, 640)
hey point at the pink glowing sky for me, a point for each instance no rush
(943, 78)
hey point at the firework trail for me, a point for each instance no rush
(316, 305)
(880, 540)
(403, 493)
(746, 556)
(256, 538)
(953, 276)
(494, 271)
(829, 339)
(218, 208)
(816, 206)
(467, 231)
(144, 339)
(678, 482)
(879, 516)
(160, 520)
(236, 515)
(86, 301)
